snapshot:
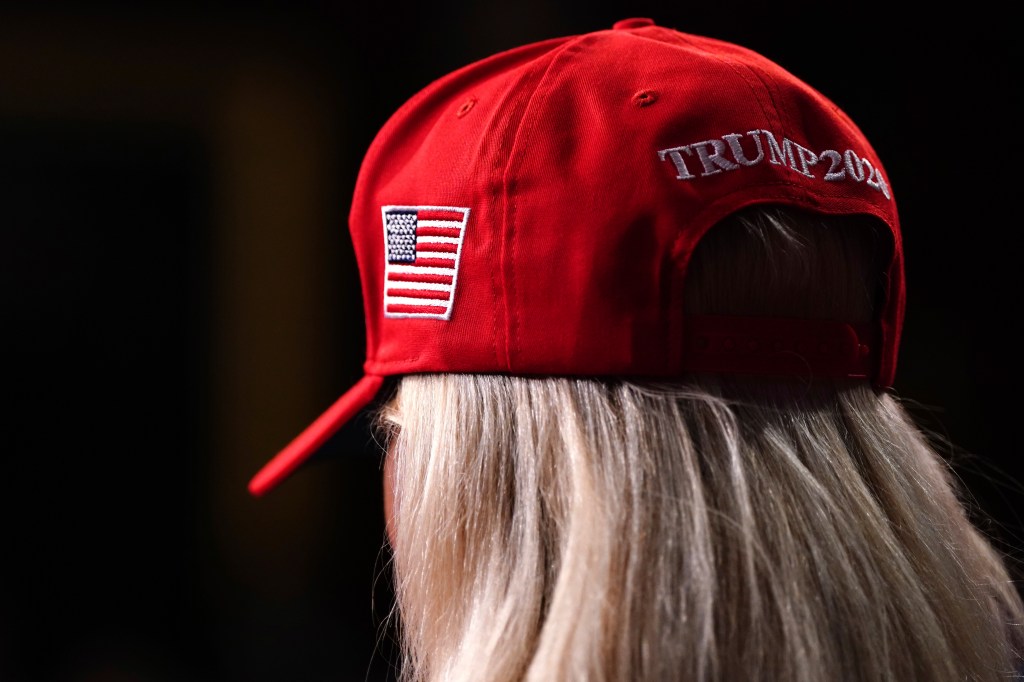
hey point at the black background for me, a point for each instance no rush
(180, 299)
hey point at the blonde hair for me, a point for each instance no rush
(725, 528)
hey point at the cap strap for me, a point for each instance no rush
(778, 346)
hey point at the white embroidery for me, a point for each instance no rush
(729, 153)
(422, 249)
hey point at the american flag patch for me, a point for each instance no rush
(422, 245)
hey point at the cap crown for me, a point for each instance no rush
(535, 212)
(570, 181)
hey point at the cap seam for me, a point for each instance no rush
(382, 135)
(742, 70)
(513, 166)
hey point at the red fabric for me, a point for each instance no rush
(578, 236)
(571, 180)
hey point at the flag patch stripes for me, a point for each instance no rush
(422, 246)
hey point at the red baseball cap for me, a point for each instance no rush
(533, 213)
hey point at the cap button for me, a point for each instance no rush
(632, 23)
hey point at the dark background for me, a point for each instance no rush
(180, 299)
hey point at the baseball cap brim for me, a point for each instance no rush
(303, 446)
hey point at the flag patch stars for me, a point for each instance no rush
(422, 247)
(400, 229)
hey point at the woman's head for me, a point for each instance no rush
(719, 528)
(643, 293)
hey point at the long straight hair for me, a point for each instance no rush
(721, 528)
